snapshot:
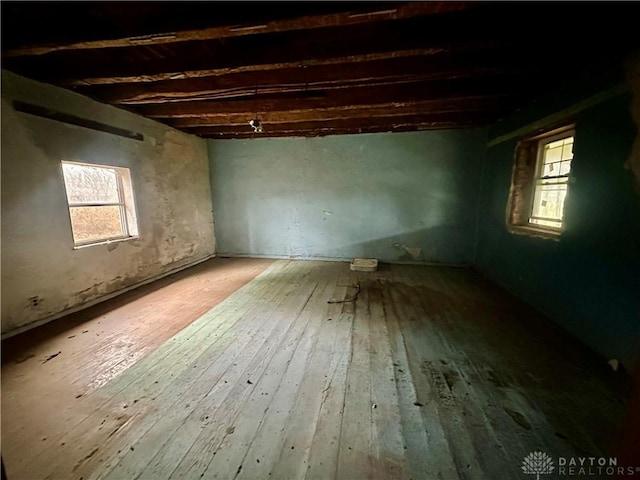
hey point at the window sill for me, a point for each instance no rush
(104, 242)
(535, 231)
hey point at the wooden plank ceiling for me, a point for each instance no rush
(310, 69)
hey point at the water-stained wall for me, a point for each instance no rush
(399, 197)
(42, 274)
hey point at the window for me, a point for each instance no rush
(540, 182)
(100, 201)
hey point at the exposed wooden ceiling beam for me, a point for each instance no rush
(345, 98)
(258, 65)
(377, 72)
(379, 109)
(369, 13)
(344, 131)
(323, 69)
(333, 46)
(354, 124)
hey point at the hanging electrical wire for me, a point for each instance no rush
(255, 122)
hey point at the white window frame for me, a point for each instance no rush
(539, 180)
(125, 202)
(528, 166)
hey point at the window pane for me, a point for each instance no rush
(556, 144)
(552, 154)
(86, 184)
(567, 150)
(551, 169)
(548, 202)
(556, 158)
(96, 223)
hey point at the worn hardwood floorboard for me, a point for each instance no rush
(429, 373)
(41, 401)
(163, 378)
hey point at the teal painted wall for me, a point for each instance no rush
(392, 196)
(588, 281)
(384, 195)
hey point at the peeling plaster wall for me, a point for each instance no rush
(170, 178)
(398, 197)
(588, 280)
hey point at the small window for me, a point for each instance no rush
(540, 182)
(100, 201)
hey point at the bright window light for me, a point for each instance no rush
(101, 204)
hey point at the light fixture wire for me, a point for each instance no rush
(255, 122)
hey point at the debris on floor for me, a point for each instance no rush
(348, 300)
(50, 357)
(364, 265)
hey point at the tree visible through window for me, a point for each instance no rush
(540, 182)
(100, 201)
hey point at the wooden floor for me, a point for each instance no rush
(429, 373)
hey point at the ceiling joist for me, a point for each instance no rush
(460, 106)
(314, 68)
(363, 124)
(370, 13)
(298, 79)
(345, 98)
(411, 37)
(98, 78)
(324, 131)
